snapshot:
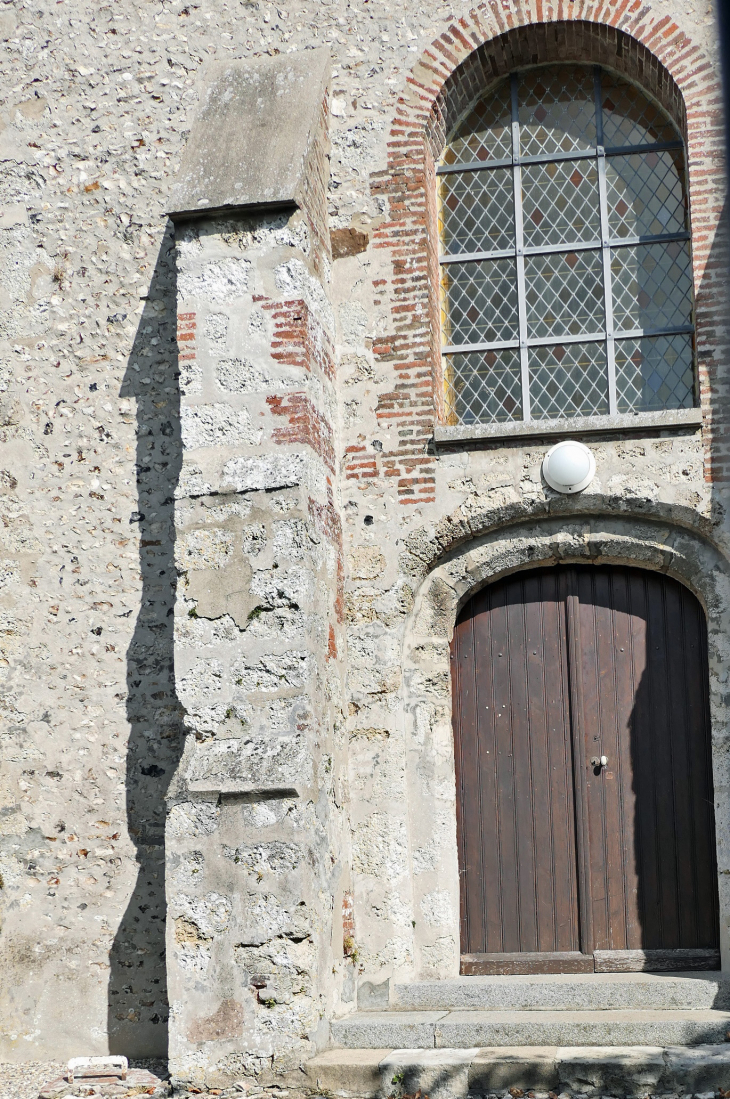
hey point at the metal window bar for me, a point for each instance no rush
(548, 158)
(605, 248)
(608, 336)
(554, 249)
(520, 252)
(584, 337)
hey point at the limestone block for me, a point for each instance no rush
(219, 280)
(503, 1067)
(211, 912)
(349, 1073)
(616, 1070)
(438, 1073)
(275, 857)
(704, 1068)
(268, 471)
(253, 539)
(193, 819)
(560, 992)
(379, 847)
(366, 562)
(241, 375)
(252, 765)
(203, 549)
(274, 672)
(215, 329)
(278, 587)
(217, 425)
(373, 1029)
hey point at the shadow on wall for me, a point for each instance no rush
(137, 997)
(671, 755)
(650, 815)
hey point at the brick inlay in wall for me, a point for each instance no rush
(469, 56)
(298, 338)
(304, 425)
(186, 326)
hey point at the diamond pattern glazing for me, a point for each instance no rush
(654, 373)
(560, 203)
(568, 380)
(477, 211)
(479, 301)
(483, 387)
(556, 110)
(652, 285)
(486, 131)
(645, 194)
(630, 117)
(560, 210)
(564, 294)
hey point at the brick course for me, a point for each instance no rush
(461, 64)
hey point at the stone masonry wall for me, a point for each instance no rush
(126, 348)
(255, 845)
(437, 499)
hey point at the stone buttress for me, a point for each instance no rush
(253, 817)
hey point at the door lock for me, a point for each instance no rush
(599, 761)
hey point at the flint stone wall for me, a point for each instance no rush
(231, 556)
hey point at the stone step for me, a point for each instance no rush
(469, 1029)
(567, 992)
(456, 1073)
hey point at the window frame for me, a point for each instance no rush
(603, 245)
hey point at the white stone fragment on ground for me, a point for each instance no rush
(97, 1066)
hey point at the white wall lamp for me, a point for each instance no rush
(569, 466)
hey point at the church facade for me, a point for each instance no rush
(329, 668)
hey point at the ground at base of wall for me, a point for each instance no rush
(509, 1093)
(24, 1081)
(516, 1093)
(47, 1080)
(37, 1080)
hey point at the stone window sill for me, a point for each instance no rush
(631, 424)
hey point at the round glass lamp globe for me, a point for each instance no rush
(569, 466)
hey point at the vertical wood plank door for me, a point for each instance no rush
(516, 818)
(643, 646)
(567, 863)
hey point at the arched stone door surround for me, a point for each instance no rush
(648, 543)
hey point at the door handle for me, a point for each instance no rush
(599, 761)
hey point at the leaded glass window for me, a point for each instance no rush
(566, 281)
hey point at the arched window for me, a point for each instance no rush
(565, 270)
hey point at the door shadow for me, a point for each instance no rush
(644, 669)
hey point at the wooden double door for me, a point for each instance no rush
(584, 784)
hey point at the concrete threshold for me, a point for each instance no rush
(566, 992)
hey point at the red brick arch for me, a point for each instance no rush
(471, 53)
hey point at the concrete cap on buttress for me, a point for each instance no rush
(249, 142)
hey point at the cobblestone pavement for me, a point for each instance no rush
(25, 1081)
